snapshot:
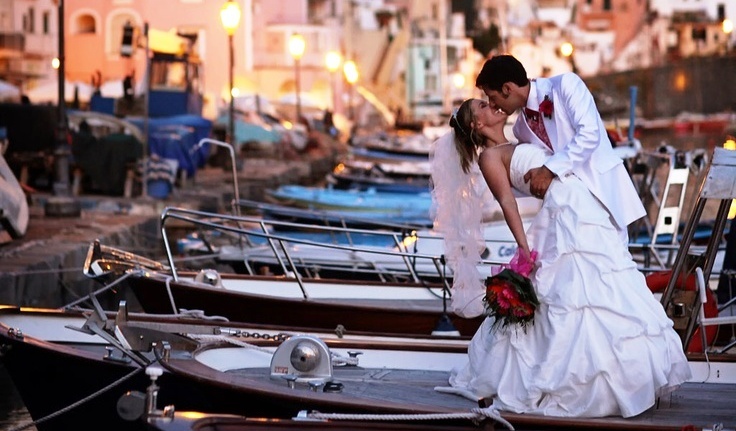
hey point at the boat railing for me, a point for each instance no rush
(659, 240)
(718, 185)
(279, 243)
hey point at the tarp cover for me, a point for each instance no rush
(13, 205)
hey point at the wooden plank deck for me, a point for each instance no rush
(701, 405)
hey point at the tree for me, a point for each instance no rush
(488, 40)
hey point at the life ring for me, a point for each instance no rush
(657, 283)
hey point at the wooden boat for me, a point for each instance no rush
(224, 367)
(403, 289)
(71, 367)
(406, 308)
(198, 421)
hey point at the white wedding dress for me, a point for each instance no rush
(601, 344)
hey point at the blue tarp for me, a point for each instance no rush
(175, 137)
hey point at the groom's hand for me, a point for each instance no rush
(539, 180)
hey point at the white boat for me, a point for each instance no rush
(276, 372)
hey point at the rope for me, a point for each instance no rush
(199, 314)
(78, 403)
(341, 361)
(100, 290)
(208, 337)
(476, 415)
(47, 271)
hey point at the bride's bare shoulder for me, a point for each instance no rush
(499, 156)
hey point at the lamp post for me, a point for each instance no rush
(230, 17)
(62, 204)
(297, 46)
(333, 60)
(351, 75)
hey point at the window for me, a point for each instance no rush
(606, 4)
(31, 20)
(85, 24)
(114, 33)
(46, 22)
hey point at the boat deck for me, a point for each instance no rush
(701, 405)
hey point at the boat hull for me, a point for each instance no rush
(415, 317)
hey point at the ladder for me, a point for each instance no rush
(718, 184)
(670, 204)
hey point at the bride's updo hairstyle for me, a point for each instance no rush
(467, 139)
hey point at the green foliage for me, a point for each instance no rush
(488, 40)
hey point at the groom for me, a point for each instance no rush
(560, 113)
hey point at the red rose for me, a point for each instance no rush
(546, 107)
(510, 299)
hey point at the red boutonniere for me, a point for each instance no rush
(546, 107)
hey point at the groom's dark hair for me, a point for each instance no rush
(499, 70)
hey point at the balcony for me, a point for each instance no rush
(12, 44)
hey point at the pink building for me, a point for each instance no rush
(262, 63)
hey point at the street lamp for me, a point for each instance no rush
(727, 27)
(351, 75)
(230, 17)
(567, 50)
(333, 60)
(297, 46)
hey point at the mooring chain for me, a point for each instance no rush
(233, 340)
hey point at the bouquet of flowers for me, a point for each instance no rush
(510, 296)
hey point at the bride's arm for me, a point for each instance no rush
(495, 172)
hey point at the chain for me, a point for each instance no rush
(280, 337)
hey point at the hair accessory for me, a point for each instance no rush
(459, 126)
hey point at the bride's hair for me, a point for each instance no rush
(467, 138)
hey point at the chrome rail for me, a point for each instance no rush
(284, 258)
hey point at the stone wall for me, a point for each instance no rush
(702, 85)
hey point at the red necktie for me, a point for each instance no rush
(534, 120)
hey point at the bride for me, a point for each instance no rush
(600, 344)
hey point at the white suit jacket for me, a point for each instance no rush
(581, 146)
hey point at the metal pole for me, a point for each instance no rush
(62, 203)
(632, 111)
(61, 187)
(231, 116)
(298, 92)
(146, 99)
